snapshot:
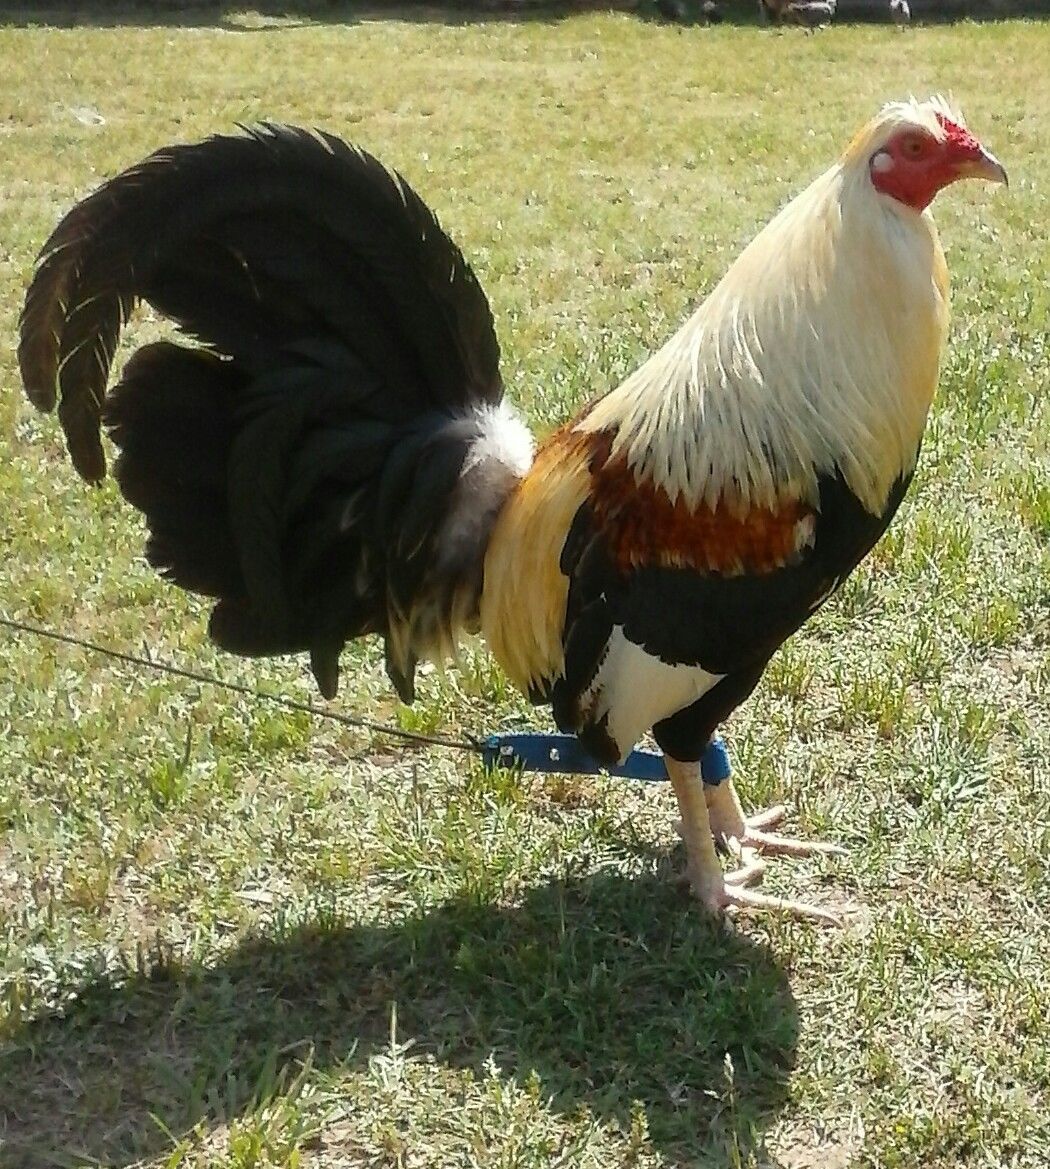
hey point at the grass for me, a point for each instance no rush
(232, 936)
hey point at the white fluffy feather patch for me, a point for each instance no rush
(504, 439)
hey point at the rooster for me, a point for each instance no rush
(332, 456)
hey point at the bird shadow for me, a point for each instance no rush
(605, 990)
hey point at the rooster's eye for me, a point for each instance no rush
(913, 147)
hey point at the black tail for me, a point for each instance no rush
(329, 458)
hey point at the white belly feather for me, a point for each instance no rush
(637, 690)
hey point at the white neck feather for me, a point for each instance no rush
(818, 349)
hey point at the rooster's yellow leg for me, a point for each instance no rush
(704, 873)
(732, 829)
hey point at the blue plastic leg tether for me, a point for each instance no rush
(535, 751)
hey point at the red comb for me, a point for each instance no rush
(958, 136)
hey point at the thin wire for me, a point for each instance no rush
(237, 688)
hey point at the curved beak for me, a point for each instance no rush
(985, 166)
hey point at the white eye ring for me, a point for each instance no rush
(881, 162)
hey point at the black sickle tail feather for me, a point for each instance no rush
(306, 464)
(172, 417)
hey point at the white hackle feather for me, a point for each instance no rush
(817, 350)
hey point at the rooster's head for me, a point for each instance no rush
(911, 150)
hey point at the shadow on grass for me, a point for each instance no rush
(609, 988)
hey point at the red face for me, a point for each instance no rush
(913, 166)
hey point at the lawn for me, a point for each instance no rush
(233, 935)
